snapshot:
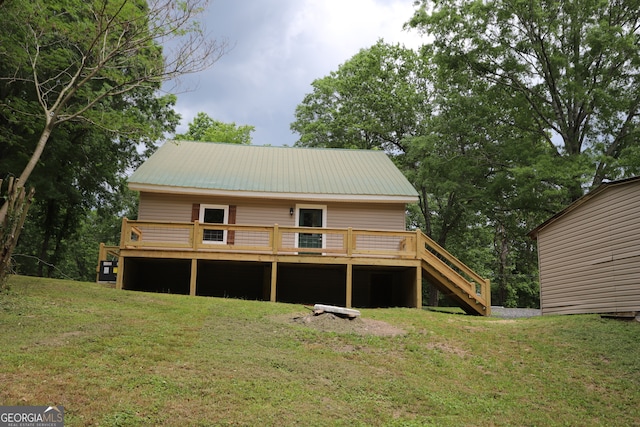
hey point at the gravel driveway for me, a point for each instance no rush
(514, 313)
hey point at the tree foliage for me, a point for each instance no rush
(484, 174)
(204, 128)
(70, 60)
(575, 63)
(62, 239)
(522, 105)
(373, 101)
(82, 78)
(76, 187)
(484, 180)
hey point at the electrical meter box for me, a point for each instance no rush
(108, 271)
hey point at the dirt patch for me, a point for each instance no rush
(328, 322)
(447, 348)
(60, 340)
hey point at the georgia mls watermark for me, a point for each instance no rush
(31, 416)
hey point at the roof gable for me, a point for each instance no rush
(581, 201)
(214, 168)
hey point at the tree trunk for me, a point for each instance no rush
(33, 161)
(17, 204)
(502, 246)
(426, 214)
(37, 153)
(58, 248)
(49, 220)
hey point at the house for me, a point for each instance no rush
(589, 253)
(282, 224)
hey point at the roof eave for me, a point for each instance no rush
(357, 198)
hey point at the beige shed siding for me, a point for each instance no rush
(590, 257)
(370, 216)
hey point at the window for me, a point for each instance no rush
(214, 214)
(311, 216)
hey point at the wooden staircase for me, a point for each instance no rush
(453, 278)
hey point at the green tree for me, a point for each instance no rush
(486, 169)
(98, 225)
(204, 128)
(67, 60)
(575, 63)
(84, 78)
(373, 101)
(474, 171)
(74, 184)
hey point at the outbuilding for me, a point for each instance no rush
(589, 253)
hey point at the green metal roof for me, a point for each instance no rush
(262, 169)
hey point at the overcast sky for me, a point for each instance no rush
(279, 48)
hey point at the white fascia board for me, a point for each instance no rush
(167, 189)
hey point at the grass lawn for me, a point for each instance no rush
(123, 358)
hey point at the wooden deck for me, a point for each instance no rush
(276, 246)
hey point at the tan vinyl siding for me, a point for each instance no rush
(372, 217)
(264, 212)
(590, 257)
(164, 207)
(177, 208)
(160, 207)
(366, 216)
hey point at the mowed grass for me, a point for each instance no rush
(122, 358)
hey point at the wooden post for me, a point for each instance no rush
(194, 277)
(274, 280)
(123, 230)
(350, 241)
(196, 235)
(275, 243)
(486, 293)
(120, 273)
(266, 283)
(349, 285)
(419, 286)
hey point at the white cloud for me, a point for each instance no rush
(281, 46)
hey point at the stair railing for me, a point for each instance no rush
(428, 248)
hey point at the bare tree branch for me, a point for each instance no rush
(120, 46)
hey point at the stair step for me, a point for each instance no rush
(457, 287)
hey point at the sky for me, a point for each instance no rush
(279, 47)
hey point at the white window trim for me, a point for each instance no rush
(225, 221)
(324, 221)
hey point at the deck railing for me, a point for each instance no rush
(274, 239)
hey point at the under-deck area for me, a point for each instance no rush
(372, 287)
